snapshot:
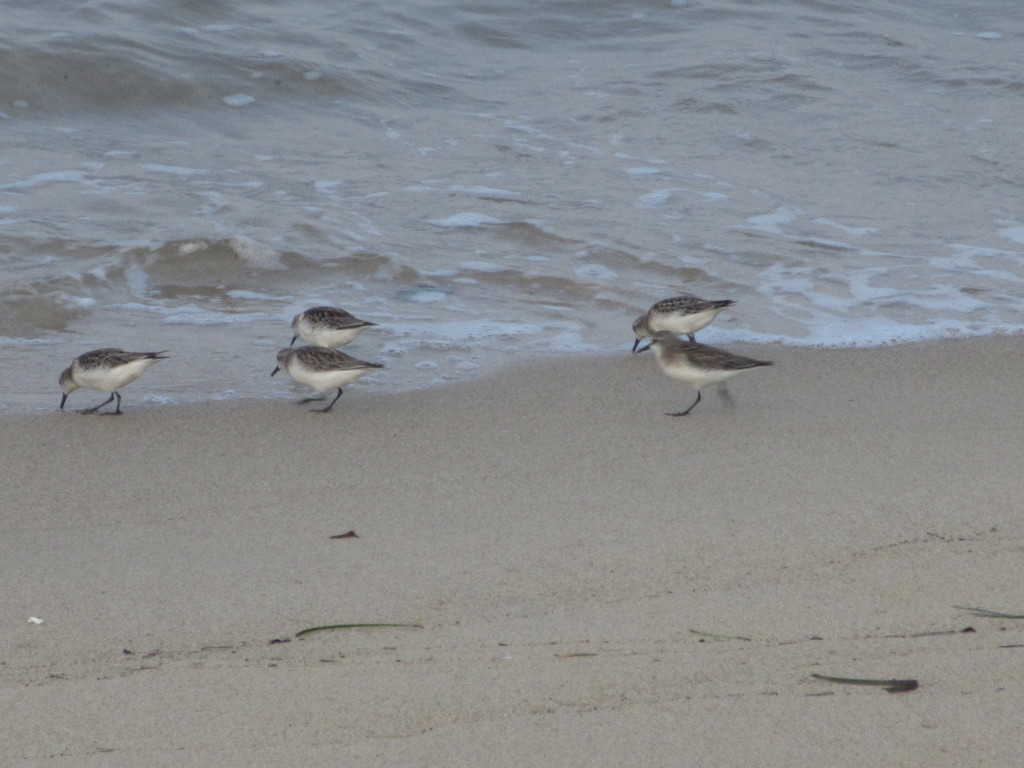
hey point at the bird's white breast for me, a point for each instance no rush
(324, 381)
(110, 379)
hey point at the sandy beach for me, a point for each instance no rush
(581, 580)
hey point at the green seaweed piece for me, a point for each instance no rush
(354, 626)
(891, 686)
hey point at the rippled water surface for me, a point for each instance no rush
(490, 181)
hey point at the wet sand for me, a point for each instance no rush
(587, 581)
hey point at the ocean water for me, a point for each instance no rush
(492, 181)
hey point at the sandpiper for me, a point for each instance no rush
(323, 369)
(107, 369)
(698, 364)
(680, 314)
(327, 326)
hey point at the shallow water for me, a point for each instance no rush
(494, 180)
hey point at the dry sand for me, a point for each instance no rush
(559, 540)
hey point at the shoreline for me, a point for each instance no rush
(31, 395)
(561, 543)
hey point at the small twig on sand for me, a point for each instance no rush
(355, 626)
(891, 686)
(987, 614)
(717, 637)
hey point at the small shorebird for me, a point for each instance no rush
(323, 369)
(107, 369)
(680, 314)
(698, 364)
(327, 326)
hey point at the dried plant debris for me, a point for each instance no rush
(890, 686)
(712, 636)
(324, 628)
(984, 613)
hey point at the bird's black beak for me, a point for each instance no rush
(293, 339)
(642, 349)
(276, 369)
(63, 400)
(636, 342)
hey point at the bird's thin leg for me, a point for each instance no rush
(687, 411)
(692, 337)
(313, 399)
(117, 410)
(97, 407)
(330, 405)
